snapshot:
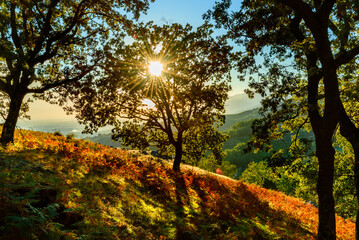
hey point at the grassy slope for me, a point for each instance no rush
(58, 188)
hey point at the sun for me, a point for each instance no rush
(155, 68)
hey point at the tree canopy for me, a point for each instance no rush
(45, 45)
(176, 110)
(305, 48)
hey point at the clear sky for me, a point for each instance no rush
(172, 11)
(181, 11)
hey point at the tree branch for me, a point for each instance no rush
(346, 56)
(301, 7)
(294, 28)
(59, 83)
(45, 29)
(3, 85)
(14, 35)
(297, 132)
(313, 81)
(326, 8)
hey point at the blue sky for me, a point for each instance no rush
(181, 11)
(172, 11)
(188, 11)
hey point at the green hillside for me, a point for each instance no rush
(232, 119)
(238, 128)
(54, 187)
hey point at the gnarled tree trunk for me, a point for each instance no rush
(178, 157)
(8, 129)
(324, 127)
(325, 154)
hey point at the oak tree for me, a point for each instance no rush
(318, 38)
(174, 106)
(47, 44)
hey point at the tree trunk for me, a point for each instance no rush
(325, 154)
(324, 128)
(178, 157)
(8, 129)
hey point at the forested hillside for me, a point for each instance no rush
(55, 187)
(238, 128)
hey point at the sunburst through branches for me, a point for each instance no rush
(150, 63)
(155, 68)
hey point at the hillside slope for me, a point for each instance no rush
(58, 188)
(231, 119)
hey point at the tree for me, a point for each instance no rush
(177, 109)
(48, 44)
(319, 38)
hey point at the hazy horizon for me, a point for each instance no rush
(50, 117)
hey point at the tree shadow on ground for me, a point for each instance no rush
(203, 204)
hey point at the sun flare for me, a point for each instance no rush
(155, 68)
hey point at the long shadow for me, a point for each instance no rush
(231, 205)
(182, 198)
(28, 196)
(240, 204)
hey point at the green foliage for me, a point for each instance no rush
(260, 174)
(202, 139)
(238, 133)
(297, 143)
(286, 62)
(344, 186)
(131, 134)
(55, 49)
(175, 111)
(211, 164)
(298, 178)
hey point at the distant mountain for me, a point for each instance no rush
(240, 102)
(105, 137)
(65, 127)
(51, 118)
(239, 117)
